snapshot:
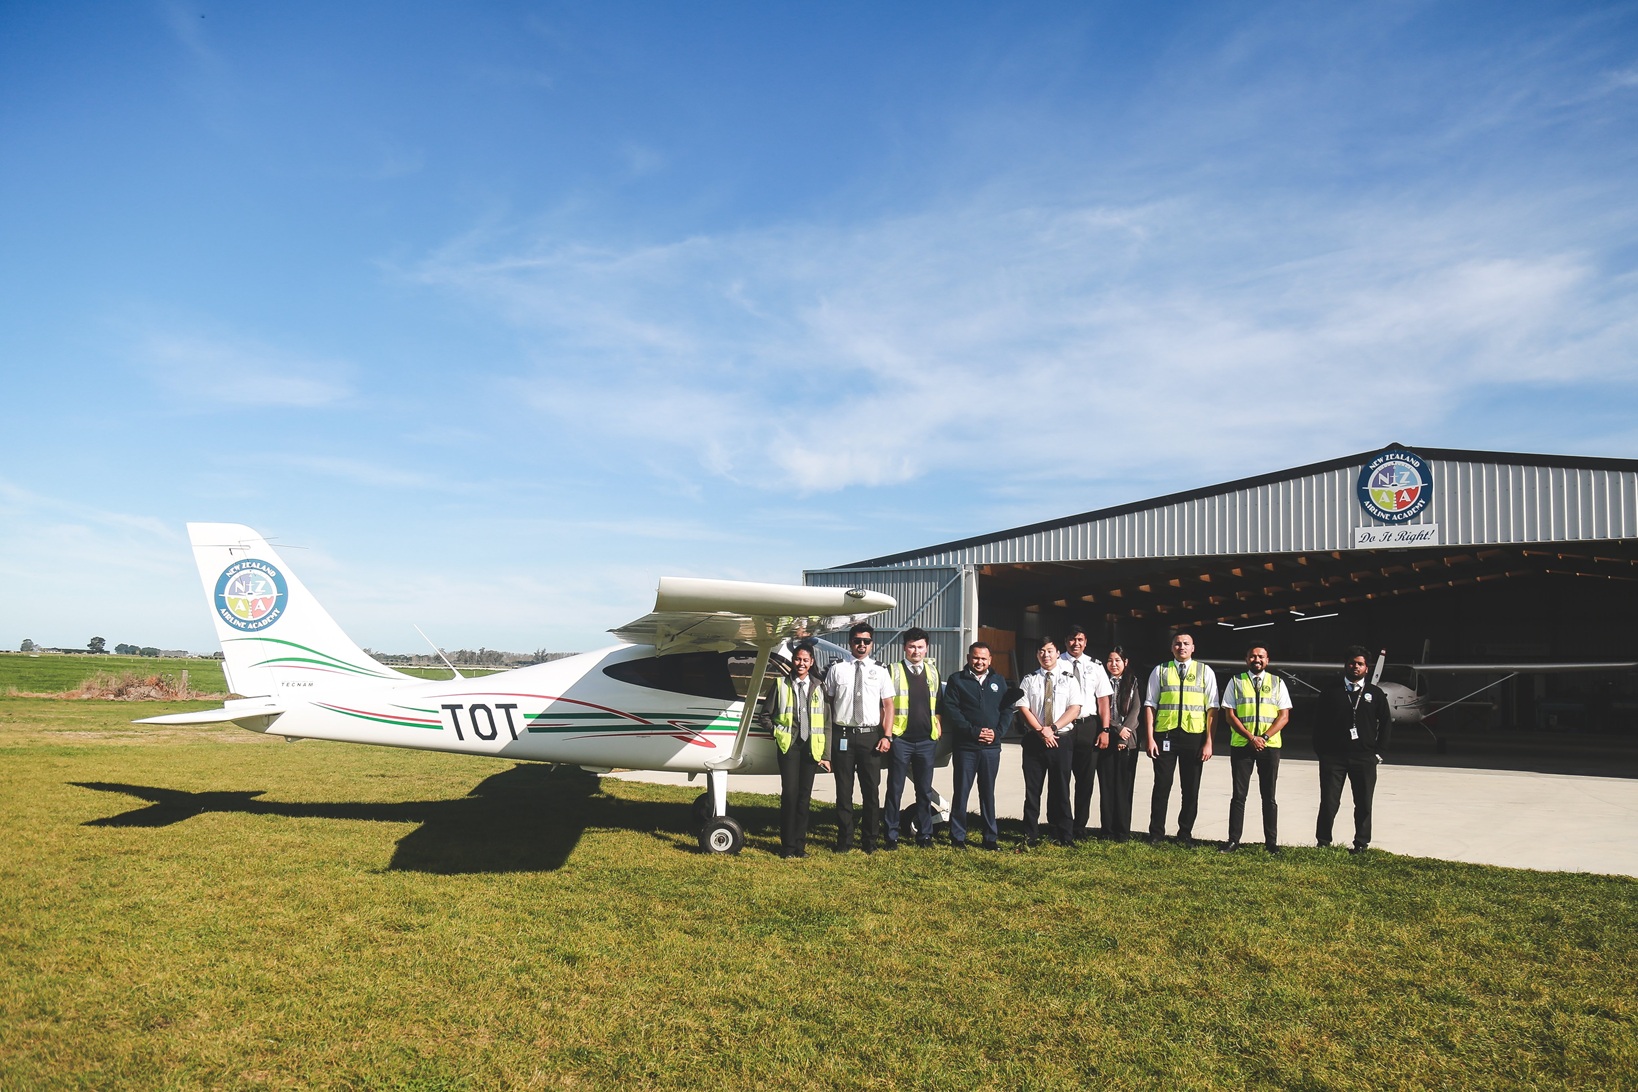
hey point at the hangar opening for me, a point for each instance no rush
(1436, 556)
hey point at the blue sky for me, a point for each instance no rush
(495, 313)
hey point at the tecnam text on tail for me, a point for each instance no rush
(671, 696)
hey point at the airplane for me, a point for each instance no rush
(670, 696)
(1411, 705)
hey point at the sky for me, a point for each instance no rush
(491, 314)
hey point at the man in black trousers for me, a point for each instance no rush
(977, 710)
(1351, 728)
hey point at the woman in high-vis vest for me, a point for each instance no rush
(1118, 747)
(798, 726)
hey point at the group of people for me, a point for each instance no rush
(1082, 721)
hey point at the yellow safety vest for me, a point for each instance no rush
(901, 696)
(1182, 701)
(1257, 707)
(785, 717)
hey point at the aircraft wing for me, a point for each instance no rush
(1530, 669)
(695, 615)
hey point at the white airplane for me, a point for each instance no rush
(671, 696)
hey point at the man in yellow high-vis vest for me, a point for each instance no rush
(914, 736)
(1257, 706)
(1179, 710)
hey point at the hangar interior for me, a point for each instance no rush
(1536, 561)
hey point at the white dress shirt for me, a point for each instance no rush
(878, 685)
(1094, 681)
(1065, 693)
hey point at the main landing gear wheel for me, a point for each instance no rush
(722, 835)
(702, 809)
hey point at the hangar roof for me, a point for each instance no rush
(1481, 498)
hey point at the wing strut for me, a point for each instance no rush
(766, 642)
(1464, 697)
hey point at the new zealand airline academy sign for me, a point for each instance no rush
(1396, 486)
(250, 595)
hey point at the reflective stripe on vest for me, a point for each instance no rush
(1182, 701)
(901, 696)
(1256, 707)
(785, 720)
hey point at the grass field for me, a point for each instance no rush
(55, 673)
(208, 908)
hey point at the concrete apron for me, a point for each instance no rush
(1549, 822)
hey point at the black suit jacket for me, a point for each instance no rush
(1336, 713)
(967, 707)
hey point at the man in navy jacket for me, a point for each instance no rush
(977, 713)
(1352, 723)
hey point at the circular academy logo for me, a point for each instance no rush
(250, 595)
(1395, 486)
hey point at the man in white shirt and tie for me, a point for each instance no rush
(1094, 718)
(1050, 703)
(861, 712)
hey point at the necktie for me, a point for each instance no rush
(802, 710)
(858, 694)
(1046, 703)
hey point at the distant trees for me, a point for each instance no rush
(127, 650)
(148, 650)
(27, 645)
(97, 644)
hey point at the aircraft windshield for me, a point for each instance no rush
(724, 676)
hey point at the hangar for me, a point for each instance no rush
(1431, 554)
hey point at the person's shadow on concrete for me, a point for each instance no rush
(525, 819)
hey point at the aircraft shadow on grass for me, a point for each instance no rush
(526, 819)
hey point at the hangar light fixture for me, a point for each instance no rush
(1316, 617)
(1254, 625)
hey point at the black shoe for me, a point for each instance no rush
(957, 845)
(992, 846)
(1157, 839)
(1274, 847)
(1186, 841)
(1030, 841)
(1323, 845)
(1356, 850)
(844, 847)
(799, 855)
(924, 843)
(888, 845)
(1229, 847)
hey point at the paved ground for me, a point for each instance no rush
(1498, 817)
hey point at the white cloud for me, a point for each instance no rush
(817, 358)
(240, 373)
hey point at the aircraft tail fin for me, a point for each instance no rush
(276, 638)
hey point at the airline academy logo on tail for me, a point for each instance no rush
(250, 595)
(1396, 486)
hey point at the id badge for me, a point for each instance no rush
(1353, 733)
(1165, 745)
(841, 742)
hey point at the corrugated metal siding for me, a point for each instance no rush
(1475, 504)
(913, 588)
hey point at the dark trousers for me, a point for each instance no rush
(1050, 765)
(1359, 770)
(796, 770)
(1083, 767)
(1117, 772)
(860, 761)
(1242, 760)
(912, 759)
(967, 766)
(1183, 759)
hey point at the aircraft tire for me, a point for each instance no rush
(722, 835)
(702, 809)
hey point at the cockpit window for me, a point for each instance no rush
(724, 676)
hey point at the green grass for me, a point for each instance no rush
(208, 908)
(55, 673)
